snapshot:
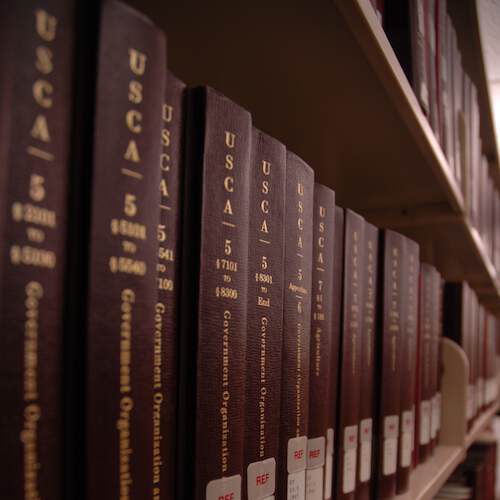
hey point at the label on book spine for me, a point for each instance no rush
(224, 488)
(261, 477)
(349, 458)
(425, 422)
(365, 456)
(391, 427)
(330, 443)
(296, 485)
(470, 402)
(314, 484)
(406, 438)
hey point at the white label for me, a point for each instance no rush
(413, 428)
(438, 410)
(297, 486)
(349, 459)
(261, 479)
(365, 457)
(425, 422)
(365, 430)
(420, 16)
(297, 454)
(225, 488)
(391, 429)
(470, 402)
(315, 452)
(314, 484)
(406, 441)
(329, 441)
(328, 476)
(433, 417)
(349, 471)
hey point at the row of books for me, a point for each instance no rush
(475, 478)
(184, 312)
(425, 42)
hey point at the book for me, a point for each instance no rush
(265, 315)
(389, 335)
(321, 339)
(431, 56)
(296, 329)
(123, 252)
(338, 267)
(36, 98)
(166, 319)
(214, 267)
(368, 369)
(406, 26)
(425, 317)
(408, 361)
(346, 444)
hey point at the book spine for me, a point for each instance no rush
(388, 344)
(338, 268)
(321, 338)
(296, 328)
(367, 378)
(36, 94)
(214, 297)
(408, 363)
(431, 55)
(166, 329)
(123, 250)
(265, 315)
(350, 357)
(419, 54)
(425, 334)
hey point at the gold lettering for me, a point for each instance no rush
(229, 184)
(265, 187)
(164, 162)
(132, 153)
(135, 92)
(164, 188)
(228, 209)
(266, 167)
(41, 91)
(264, 206)
(45, 25)
(137, 61)
(167, 113)
(300, 189)
(40, 129)
(44, 62)
(230, 139)
(229, 162)
(132, 118)
(263, 227)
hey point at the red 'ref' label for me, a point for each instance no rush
(298, 454)
(262, 479)
(225, 488)
(314, 453)
(227, 496)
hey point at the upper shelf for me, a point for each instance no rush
(322, 78)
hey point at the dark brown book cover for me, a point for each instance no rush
(265, 315)
(296, 328)
(214, 264)
(166, 329)
(431, 55)
(338, 277)
(425, 339)
(405, 26)
(36, 92)
(346, 442)
(321, 338)
(389, 334)
(435, 341)
(411, 268)
(368, 368)
(123, 252)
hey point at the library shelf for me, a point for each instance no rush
(454, 439)
(322, 78)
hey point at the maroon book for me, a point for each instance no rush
(265, 315)
(430, 57)
(36, 98)
(338, 265)
(368, 360)
(166, 310)
(435, 341)
(346, 444)
(389, 334)
(296, 328)
(123, 254)
(411, 267)
(321, 338)
(212, 355)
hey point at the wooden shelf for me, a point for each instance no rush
(323, 78)
(427, 479)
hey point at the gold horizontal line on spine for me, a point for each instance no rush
(265, 241)
(299, 255)
(40, 153)
(164, 207)
(298, 297)
(131, 173)
(228, 224)
(320, 269)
